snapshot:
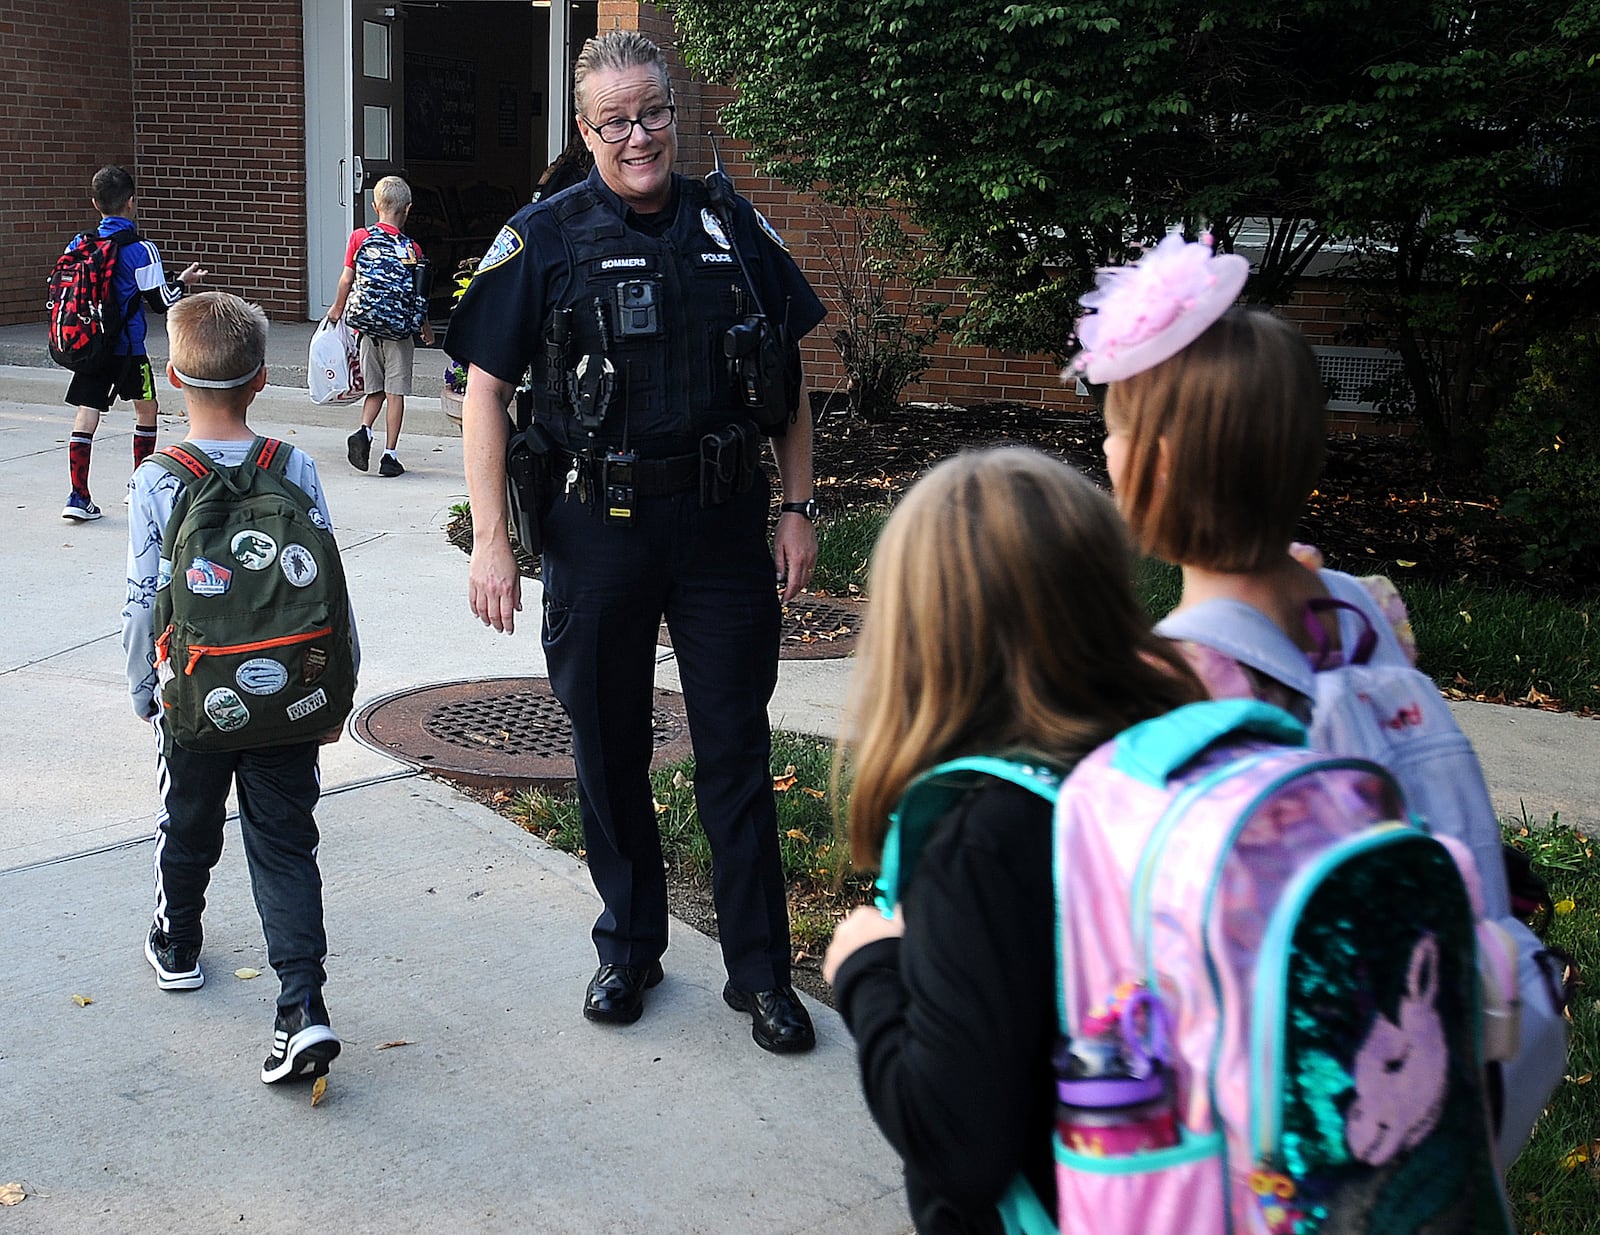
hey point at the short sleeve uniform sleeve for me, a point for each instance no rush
(499, 323)
(785, 294)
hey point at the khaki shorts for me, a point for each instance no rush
(386, 365)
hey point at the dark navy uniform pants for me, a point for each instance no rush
(278, 789)
(606, 588)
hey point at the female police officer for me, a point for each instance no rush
(620, 293)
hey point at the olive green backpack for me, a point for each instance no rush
(253, 644)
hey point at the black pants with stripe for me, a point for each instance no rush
(278, 789)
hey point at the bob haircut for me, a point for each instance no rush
(1225, 443)
(216, 336)
(1003, 621)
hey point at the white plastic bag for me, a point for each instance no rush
(333, 369)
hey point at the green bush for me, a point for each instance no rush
(1544, 452)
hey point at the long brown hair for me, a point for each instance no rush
(1003, 619)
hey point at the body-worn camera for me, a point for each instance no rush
(638, 305)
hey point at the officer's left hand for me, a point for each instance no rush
(794, 553)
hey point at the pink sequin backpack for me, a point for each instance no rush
(1294, 964)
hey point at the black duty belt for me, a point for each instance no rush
(659, 477)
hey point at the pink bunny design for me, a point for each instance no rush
(1400, 1068)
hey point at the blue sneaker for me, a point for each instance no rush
(80, 508)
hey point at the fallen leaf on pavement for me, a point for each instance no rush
(246, 974)
(12, 1194)
(385, 1046)
(83, 1001)
(318, 1089)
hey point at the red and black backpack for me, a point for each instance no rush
(86, 320)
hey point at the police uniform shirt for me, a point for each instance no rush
(500, 322)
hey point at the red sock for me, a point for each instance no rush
(79, 447)
(144, 443)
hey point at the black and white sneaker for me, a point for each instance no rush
(177, 965)
(302, 1043)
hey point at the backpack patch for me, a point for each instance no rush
(85, 319)
(254, 648)
(386, 299)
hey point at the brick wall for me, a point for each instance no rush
(220, 95)
(57, 130)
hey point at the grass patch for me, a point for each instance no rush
(1554, 1185)
(844, 545)
(815, 864)
(1498, 644)
(1506, 643)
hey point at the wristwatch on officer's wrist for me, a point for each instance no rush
(808, 508)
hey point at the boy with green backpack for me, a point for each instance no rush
(241, 650)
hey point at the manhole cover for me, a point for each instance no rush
(812, 628)
(497, 733)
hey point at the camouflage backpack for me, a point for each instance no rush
(386, 299)
(253, 644)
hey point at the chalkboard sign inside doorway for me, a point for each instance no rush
(441, 109)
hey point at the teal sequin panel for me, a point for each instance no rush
(1384, 1124)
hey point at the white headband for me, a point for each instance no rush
(216, 383)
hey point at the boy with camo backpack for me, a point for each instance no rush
(380, 296)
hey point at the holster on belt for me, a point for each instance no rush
(728, 460)
(530, 484)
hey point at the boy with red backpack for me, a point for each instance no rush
(98, 291)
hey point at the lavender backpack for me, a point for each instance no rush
(1377, 706)
(1314, 955)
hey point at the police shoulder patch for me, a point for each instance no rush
(507, 244)
(772, 232)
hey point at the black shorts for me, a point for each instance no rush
(127, 377)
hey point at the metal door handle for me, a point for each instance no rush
(343, 200)
(358, 175)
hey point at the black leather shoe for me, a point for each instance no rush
(779, 1021)
(616, 992)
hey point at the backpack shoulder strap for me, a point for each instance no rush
(1350, 590)
(1247, 635)
(930, 796)
(270, 455)
(187, 465)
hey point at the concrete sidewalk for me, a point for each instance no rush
(451, 930)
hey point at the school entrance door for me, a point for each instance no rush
(468, 100)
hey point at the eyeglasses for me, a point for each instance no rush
(619, 128)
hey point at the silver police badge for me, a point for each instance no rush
(713, 227)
